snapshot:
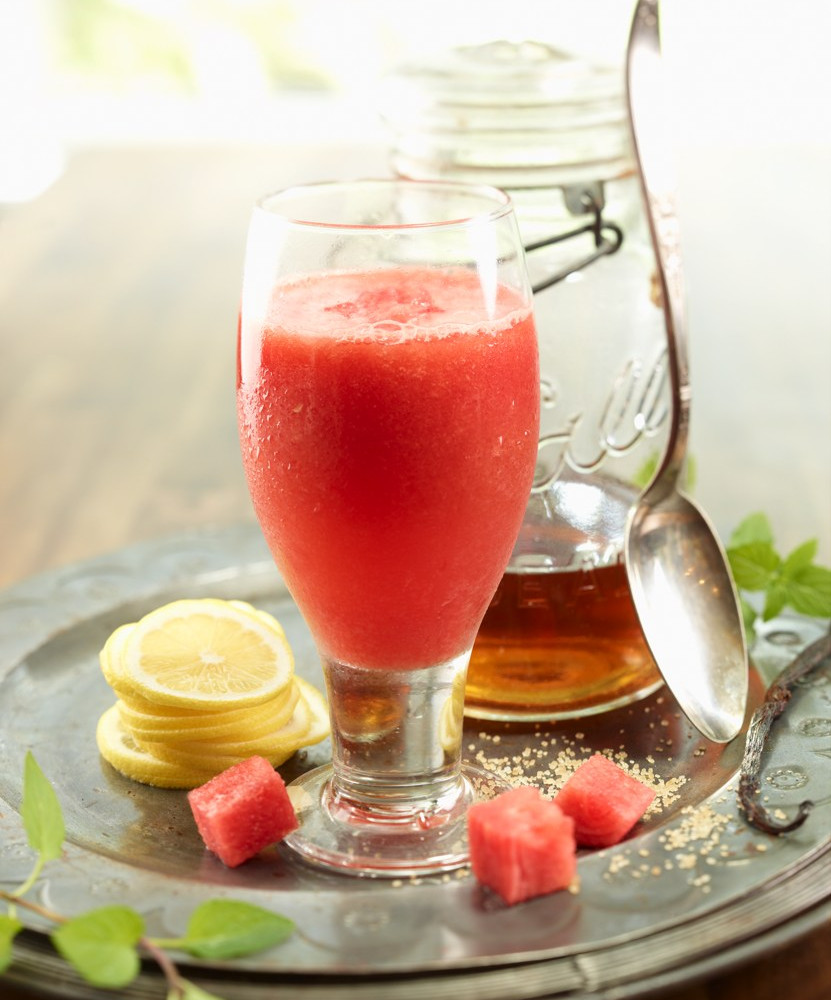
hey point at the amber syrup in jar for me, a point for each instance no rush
(559, 645)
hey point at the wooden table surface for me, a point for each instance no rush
(118, 297)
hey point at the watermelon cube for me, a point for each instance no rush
(521, 845)
(604, 802)
(242, 810)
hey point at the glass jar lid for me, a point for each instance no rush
(521, 114)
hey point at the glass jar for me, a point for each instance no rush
(561, 638)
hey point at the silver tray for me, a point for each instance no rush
(694, 890)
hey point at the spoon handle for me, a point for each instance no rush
(649, 117)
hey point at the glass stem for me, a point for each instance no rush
(396, 736)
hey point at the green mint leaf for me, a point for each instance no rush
(808, 591)
(754, 565)
(689, 474)
(754, 528)
(776, 597)
(223, 928)
(801, 556)
(748, 617)
(101, 945)
(644, 474)
(190, 991)
(41, 812)
(9, 928)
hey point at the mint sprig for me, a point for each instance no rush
(794, 581)
(105, 945)
(41, 813)
(222, 929)
(102, 945)
(9, 927)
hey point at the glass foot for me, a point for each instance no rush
(390, 840)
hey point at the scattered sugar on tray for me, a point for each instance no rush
(617, 863)
(699, 825)
(523, 769)
(702, 882)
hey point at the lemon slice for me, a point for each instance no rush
(203, 654)
(153, 709)
(203, 684)
(276, 746)
(236, 725)
(110, 657)
(119, 749)
(309, 724)
(319, 728)
(258, 613)
(451, 719)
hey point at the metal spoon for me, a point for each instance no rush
(678, 573)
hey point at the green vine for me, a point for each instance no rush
(105, 945)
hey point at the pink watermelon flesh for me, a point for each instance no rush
(242, 810)
(521, 845)
(604, 802)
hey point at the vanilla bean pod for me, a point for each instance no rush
(776, 698)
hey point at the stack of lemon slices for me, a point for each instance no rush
(201, 685)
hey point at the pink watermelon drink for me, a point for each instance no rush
(389, 438)
(388, 405)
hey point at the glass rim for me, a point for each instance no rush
(501, 204)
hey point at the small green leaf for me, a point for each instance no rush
(754, 528)
(749, 617)
(802, 556)
(41, 812)
(223, 928)
(643, 475)
(754, 564)
(808, 591)
(101, 944)
(689, 474)
(776, 597)
(645, 472)
(190, 991)
(9, 928)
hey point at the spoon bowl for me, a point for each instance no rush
(684, 596)
(677, 569)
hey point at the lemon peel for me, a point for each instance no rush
(119, 749)
(233, 726)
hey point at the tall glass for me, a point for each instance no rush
(388, 401)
